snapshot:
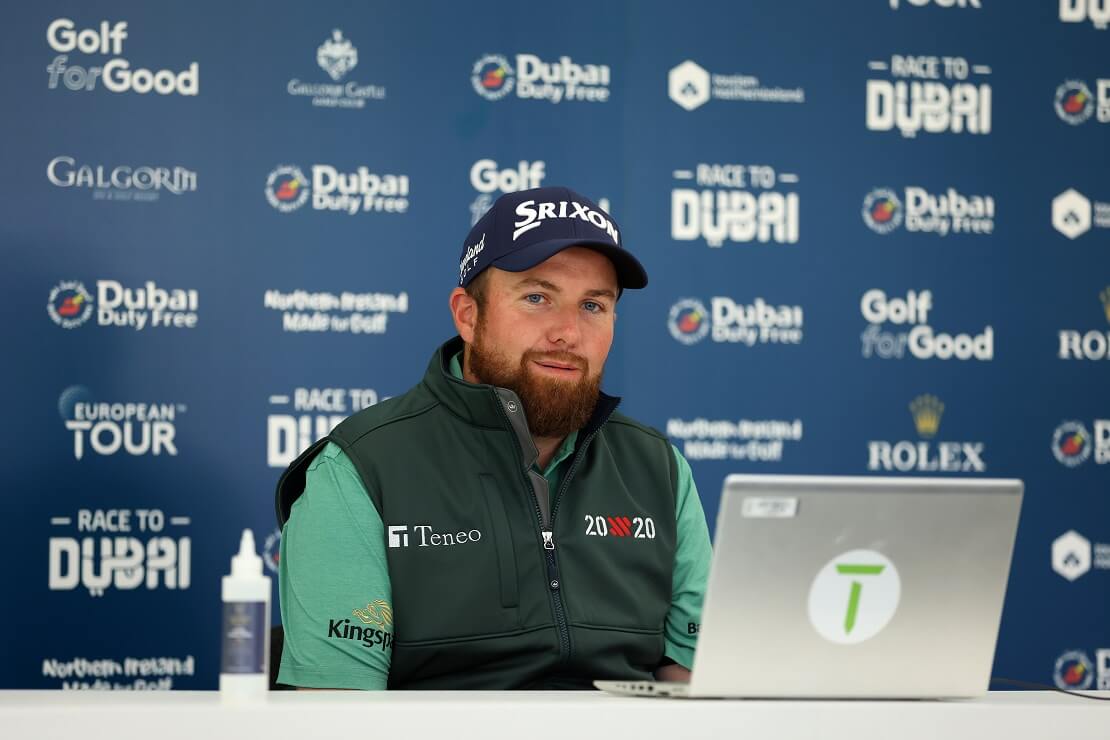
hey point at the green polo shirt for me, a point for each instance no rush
(333, 564)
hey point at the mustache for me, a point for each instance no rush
(561, 358)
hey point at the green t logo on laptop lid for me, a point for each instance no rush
(854, 597)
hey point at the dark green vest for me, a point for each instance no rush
(497, 582)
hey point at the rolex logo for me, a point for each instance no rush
(1104, 296)
(926, 411)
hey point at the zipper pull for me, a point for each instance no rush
(548, 542)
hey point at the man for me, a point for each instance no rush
(499, 525)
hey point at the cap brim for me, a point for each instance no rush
(630, 273)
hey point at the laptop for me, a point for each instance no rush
(842, 587)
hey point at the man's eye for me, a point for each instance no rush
(593, 306)
(538, 298)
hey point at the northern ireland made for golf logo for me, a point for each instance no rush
(854, 597)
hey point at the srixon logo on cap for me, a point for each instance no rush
(534, 213)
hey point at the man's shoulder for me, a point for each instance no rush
(410, 405)
(623, 424)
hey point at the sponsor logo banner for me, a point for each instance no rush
(1072, 444)
(733, 322)
(753, 440)
(341, 313)
(71, 305)
(926, 454)
(1073, 555)
(921, 342)
(362, 191)
(1090, 345)
(691, 86)
(336, 56)
(115, 75)
(122, 674)
(736, 203)
(424, 535)
(920, 211)
(1096, 12)
(300, 418)
(121, 549)
(494, 77)
(136, 428)
(125, 182)
(490, 181)
(1074, 214)
(933, 94)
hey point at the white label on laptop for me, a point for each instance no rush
(769, 507)
(854, 596)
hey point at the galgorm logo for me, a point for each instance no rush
(854, 597)
(425, 536)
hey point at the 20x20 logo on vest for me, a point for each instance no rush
(854, 597)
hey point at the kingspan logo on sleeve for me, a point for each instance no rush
(934, 94)
(372, 628)
(494, 77)
(308, 414)
(921, 341)
(336, 56)
(1097, 12)
(941, 214)
(926, 454)
(361, 191)
(1090, 345)
(150, 307)
(116, 75)
(691, 86)
(125, 549)
(736, 203)
(732, 322)
(123, 182)
(134, 427)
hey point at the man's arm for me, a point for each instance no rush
(691, 573)
(333, 578)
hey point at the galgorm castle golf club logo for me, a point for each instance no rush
(337, 56)
(287, 188)
(882, 211)
(854, 597)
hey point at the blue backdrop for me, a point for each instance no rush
(878, 235)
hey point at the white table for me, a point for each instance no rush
(198, 715)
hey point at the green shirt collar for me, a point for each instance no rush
(566, 449)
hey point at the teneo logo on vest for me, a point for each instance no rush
(122, 182)
(493, 77)
(336, 56)
(930, 213)
(735, 323)
(1081, 11)
(1072, 444)
(854, 597)
(925, 454)
(116, 75)
(361, 191)
(70, 306)
(489, 180)
(921, 342)
(736, 203)
(125, 549)
(928, 93)
(136, 427)
(1090, 345)
(313, 414)
(424, 536)
(691, 86)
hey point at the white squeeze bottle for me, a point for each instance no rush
(245, 662)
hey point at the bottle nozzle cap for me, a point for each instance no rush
(246, 562)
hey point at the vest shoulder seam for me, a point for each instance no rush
(387, 421)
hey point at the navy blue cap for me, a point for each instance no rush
(523, 229)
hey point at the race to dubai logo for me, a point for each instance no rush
(688, 321)
(287, 188)
(70, 305)
(337, 56)
(882, 211)
(492, 77)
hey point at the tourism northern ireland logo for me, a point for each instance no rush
(925, 454)
(1073, 555)
(934, 94)
(854, 597)
(1074, 214)
(1073, 445)
(337, 56)
(691, 86)
(941, 214)
(1090, 345)
(494, 77)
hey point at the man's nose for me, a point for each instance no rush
(564, 328)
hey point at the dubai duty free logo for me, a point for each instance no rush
(882, 211)
(287, 188)
(70, 305)
(688, 321)
(492, 77)
(854, 597)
